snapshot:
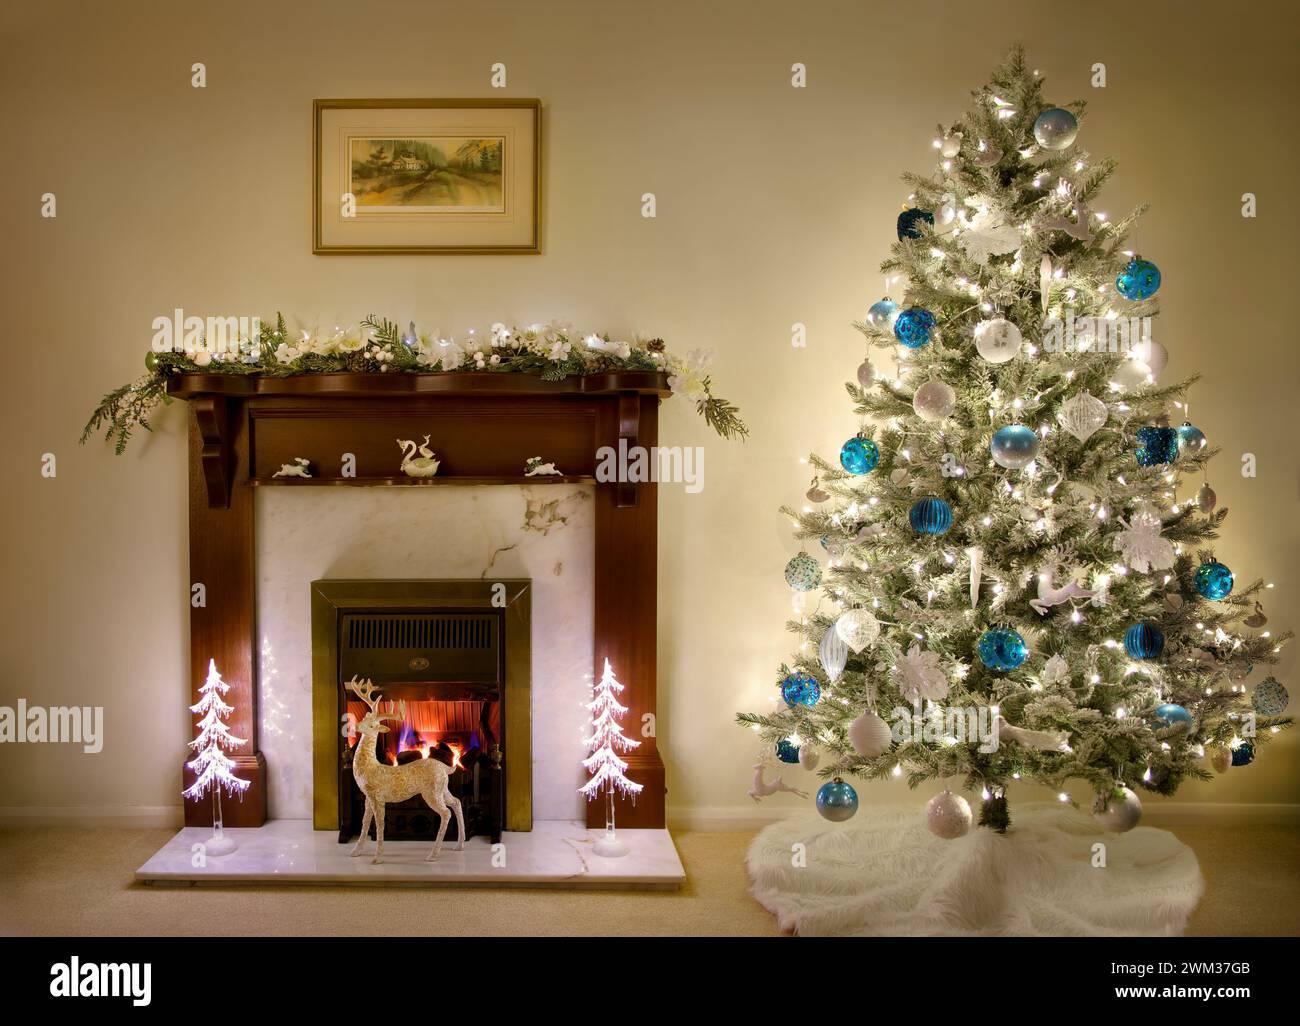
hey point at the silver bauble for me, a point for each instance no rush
(997, 340)
(808, 757)
(948, 815)
(833, 654)
(1055, 128)
(1014, 446)
(1206, 499)
(857, 628)
(1082, 415)
(934, 400)
(866, 374)
(1117, 813)
(951, 145)
(869, 735)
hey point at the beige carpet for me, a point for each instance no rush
(79, 882)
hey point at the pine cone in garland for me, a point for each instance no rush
(656, 345)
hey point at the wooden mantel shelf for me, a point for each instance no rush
(483, 426)
(402, 384)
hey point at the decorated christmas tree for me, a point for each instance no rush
(213, 769)
(608, 771)
(1020, 576)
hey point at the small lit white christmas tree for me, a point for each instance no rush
(608, 771)
(213, 769)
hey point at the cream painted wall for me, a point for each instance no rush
(775, 205)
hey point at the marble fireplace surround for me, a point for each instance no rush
(589, 548)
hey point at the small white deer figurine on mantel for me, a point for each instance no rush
(383, 784)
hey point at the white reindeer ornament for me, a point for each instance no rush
(383, 784)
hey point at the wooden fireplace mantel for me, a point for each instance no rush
(482, 426)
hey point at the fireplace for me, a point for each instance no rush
(452, 660)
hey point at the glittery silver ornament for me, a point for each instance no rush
(1118, 812)
(1055, 128)
(869, 735)
(1206, 499)
(1270, 697)
(997, 340)
(948, 815)
(934, 400)
(857, 628)
(1082, 415)
(833, 654)
(866, 374)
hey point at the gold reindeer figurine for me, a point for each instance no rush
(383, 784)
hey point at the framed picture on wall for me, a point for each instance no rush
(426, 176)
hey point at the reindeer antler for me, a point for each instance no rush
(364, 690)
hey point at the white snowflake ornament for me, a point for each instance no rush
(988, 233)
(1055, 671)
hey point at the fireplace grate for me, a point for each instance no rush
(426, 632)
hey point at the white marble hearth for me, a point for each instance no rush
(556, 853)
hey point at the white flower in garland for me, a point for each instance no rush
(686, 376)
(1141, 545)
(1055, 671)
(286, 354)
(919, 675)
(559, 351)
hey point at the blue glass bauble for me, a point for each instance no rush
(1191, 440)
(1139, 280)
(803, 573)
(837, 801)
(859, 455)
(1055, 128)
(1002, 650)
(930, 516)
(1144, 641)
(912, 327)
(1243, 754)
(1156, 445)
(1169, 714)
(800, 689)
(910, 221)
(882, 314)
(1213, 581)
(787, 751)
(1014, 446)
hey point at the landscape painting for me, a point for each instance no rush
(436, 173)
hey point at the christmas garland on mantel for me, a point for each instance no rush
(550, 351)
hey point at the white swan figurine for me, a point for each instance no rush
(425, 465)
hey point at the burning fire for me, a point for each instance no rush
(423, 747)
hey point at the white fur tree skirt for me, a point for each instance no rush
(884, 874)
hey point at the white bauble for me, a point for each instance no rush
(1117, 813)
(202, 357)
(945, 218)
(857, 628)
(833, 654)
(948, 815)
(997, 340)
(951, 145)
(1132, 375)
(1082, 415)
(808, 757)
(1206, 499)
(1152, 353)
(934, 400)
(869, 735)
(866, 374)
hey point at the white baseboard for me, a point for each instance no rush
(140, 816)
(720, 818)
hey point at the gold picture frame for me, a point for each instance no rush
(451, 176)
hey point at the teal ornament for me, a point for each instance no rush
(787, 751)
(1055, 128)
(1156, 445)
(837, 801)
(910, 221)
(803, 573)
(930, 516)
(1014, 446)
(1002, 650)
(1270, 697)
(1213, 581)
(1139, 280)
(1191, 440)
(1144, 641)
(1170, 714)
(882, 313)
(912, 327)
(859, 455)
(1243, 754)
(801, 689)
